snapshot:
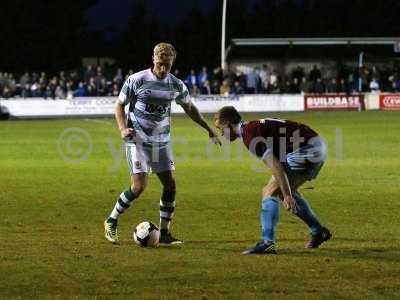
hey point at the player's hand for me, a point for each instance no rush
(214, 138)
(127, 133)
(290, 204)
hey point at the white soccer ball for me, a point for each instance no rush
(146, 234)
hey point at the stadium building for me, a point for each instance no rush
(330, 55)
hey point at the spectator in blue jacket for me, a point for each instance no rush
(237, 89)
(80, 91)
(253, 80)
(203, 76)
(191, 81)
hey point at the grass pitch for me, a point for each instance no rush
(59, 179)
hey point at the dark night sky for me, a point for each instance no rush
(108, 14)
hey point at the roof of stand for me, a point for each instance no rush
(309, 47)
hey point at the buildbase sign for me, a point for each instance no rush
(389, 102)
(333, 102)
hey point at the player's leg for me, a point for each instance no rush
(269, 217)
(124, 201)
(318, 232)
(163, 165)
(167, 200)
(305, 212)
(167, 207)
(138, 168)
(270, 210)
(126, 198)
(304, 165)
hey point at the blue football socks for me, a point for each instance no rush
(305, 213)
(269, 217)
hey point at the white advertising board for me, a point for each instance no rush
(104, 106)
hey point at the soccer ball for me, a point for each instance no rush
(146, 234)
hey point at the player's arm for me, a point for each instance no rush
(281, 177)
(193, 112)
(125, 96)
(121, 121)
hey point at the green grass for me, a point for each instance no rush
(51, 234)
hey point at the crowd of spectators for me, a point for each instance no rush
(298, 81)
(93, 81)
(89, 83)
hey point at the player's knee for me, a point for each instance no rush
(268, 201)
(268, 191)
(138, 188)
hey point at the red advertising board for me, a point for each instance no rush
(333, 102)
(389, 101)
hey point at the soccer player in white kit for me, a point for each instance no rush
(146, 132)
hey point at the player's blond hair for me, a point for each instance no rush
(164, 50)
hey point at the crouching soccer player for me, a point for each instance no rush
(149, 94)
(295, 153)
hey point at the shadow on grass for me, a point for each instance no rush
(219, 241)
(161, 247)
(367, 252)
(381, 254)
(370, 252)
(251, 241)
(358, 240)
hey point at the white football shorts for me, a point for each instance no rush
(149, 159)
